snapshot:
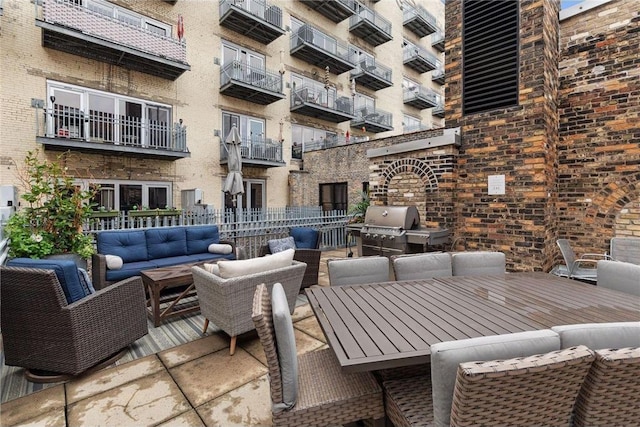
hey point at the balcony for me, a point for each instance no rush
(252, 18)
(373, 120)
(250, 83)
(438, 110)
(420, 97)
(372, 75)
(370, 26)
(419, 59)
(415, 128)
(437, 40)
(419, 21)
(64, 128)
(70, 27)
(256, 152)
(317, 48)
(336, 10)
(316, 103)
(437, 75)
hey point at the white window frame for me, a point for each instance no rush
(113, 11)
(146, 185)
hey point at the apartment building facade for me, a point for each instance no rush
(140, 95)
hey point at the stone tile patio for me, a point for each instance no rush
(194, 384)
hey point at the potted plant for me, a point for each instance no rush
(51, 221)
(358, 210)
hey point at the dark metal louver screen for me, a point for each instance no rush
(490, 54)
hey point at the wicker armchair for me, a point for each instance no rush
(310, 256)
(227, 302)
(41, 331)
(325, 395)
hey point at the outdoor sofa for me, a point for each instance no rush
(123, 254)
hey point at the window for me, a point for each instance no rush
(308, 90)
(253, 198)
(250, 65)
(333, 196)
(124, 195)
(252, 129)
(127, 16)
(490, 55)
(410, 123)
(309, 138)
(364, 105)
(98, 116)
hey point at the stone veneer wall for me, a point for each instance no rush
(518, 142)
(599, 146)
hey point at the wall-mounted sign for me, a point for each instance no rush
(496, 185)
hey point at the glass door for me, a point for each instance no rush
(158, 119)
(67, 115)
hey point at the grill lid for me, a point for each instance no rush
(405, 217)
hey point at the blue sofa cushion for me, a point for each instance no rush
(166, 242)
(129, 269)
(131, 246)
(200, 237)
(305, 237)
(66, 272)
(211, 257)
(174, 260)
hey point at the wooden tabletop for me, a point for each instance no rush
(393, 324)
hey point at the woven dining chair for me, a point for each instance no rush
(609, 394)
(358, 271)
(422, 266)
(480, 263)
(526, 391)
(325, 396)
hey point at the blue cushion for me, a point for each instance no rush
(66, 272)
(131, 246)
(305, 237)
(173, 260)
(128, 270)
(211, 257)
(166, 242)
(200, 237)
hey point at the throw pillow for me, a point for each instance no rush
(305, 237)
(85, 281)
(114, 262)
(286, 343)
(212, 268)
(279, 245)
(219, 248)
(244, 267)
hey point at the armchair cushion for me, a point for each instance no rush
(237, 268)
(166, 242)
(304, 237)
(131, 246)
(279, 245)
(200, 237)
(114, 262)
(220, 248)
(66, 271)
(286, 343)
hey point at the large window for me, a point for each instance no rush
(125, 195)
(308, 138)
(127, 16)
(97, 116)
(254, 196)
(249, 66)
(309, 90)
(333, 196)
(252, 129)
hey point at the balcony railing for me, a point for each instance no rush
(419, 59)
(438, 110)
(420, 97)
(437, 40)
(317, 48)
(418, 20)
(65, 128)
(322, 104)
(437, 75)
(370, 26)
(372, 75)
(71, 27)
(373, 120)
(321, 144)
(254, 84)
(256, 151)
(256, 19)
(336, 10)
(415, 128)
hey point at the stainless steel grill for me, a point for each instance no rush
(395, 230)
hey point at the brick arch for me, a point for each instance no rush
(415, 166)
(609, 201)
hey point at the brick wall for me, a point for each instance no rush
(599, 145)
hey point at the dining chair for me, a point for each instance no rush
(609, 394)
(422, 266)
(581, 268)
(524, 391)
(356, 271)
(310, 389)
(625, 249)
(597, 336)
(480, 263)
(619, 276)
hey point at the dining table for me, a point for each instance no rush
(393, 324)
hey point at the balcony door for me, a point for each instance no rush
(159, 119)
(67, 117)
(250, 65)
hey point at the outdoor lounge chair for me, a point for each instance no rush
(310, 389)
(619, 276)
(580, 268)
(41, 331)
(422, 266)
(356, 271)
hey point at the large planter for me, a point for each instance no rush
(80, 262)
(155, 212)
(105, 214)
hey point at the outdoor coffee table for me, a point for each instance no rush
(161, 307)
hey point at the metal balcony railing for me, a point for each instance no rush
(258, 8)
(255, 148)
(97, 127)
(370, 16)
(422, 93)
(73, 15)
(254, 76)
(411, 52)
(310, 35)
(329, 142)
(369, 65)
(373, 115)
(320, 97)
(437, 40)
(410, 13)
(414, 128)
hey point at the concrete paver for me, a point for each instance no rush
(42, 408)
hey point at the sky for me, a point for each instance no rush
(568, 3)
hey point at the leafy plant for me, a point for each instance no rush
(55, 211)
(359, 209)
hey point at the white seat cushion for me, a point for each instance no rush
(597, 336)
(244, 267)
